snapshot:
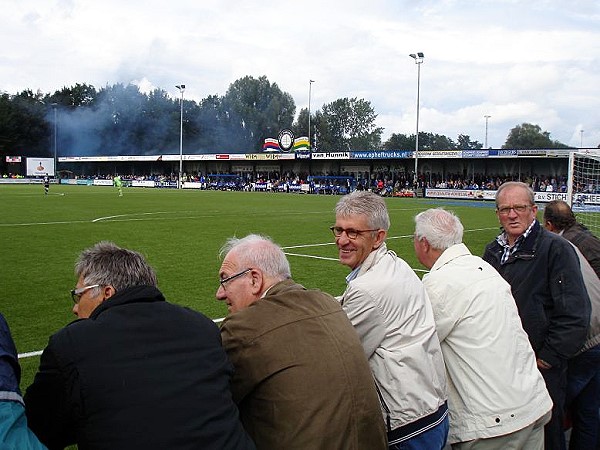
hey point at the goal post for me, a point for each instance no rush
(583, 188)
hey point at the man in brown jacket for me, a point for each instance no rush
(301, 379)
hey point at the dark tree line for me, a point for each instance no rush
(121, 120)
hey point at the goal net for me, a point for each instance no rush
(584, 188)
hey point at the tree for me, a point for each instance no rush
(24, 129)
(348, 124)
(465, 143)
(430, 141)
(528, 135)
(399, 141)
(257, 109)
(74, 96)
(300, 126)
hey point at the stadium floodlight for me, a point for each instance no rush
(181, 88)
(487, 117)
(55, 142)
(418, 61)
(310, 82)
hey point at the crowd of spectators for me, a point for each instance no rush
(384, 183)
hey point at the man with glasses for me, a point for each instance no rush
(546, 282)
(389, 308)
(134, 371)
(301, 379)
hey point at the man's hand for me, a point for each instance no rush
(543, 364)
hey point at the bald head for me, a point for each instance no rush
(558, 216)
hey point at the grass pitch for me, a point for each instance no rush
(180, 233)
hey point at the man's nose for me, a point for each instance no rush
(221, 295)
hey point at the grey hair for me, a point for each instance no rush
(260, 252)
(366, 203)
(512, 184)
(107, 264)
(441, 228)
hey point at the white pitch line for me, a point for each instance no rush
(308, 245)
(127, 215)
(311, 256)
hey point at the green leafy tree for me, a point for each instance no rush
(528, 135)
(24, 128)
(399, 141)
(300, 126)
(348, 124)
(465, 143)
(74, 96)
(431, 141)
(257, 109)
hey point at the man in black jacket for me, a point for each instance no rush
(134, 372)
(559, 218)
(543, 271)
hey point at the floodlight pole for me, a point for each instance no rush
(418, 57)
(55, 142)
(310, 82)
(581, 136)
(181, 88)
(486, 130)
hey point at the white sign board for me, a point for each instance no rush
(38, 167)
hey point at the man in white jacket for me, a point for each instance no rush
(496, 395)
(388, 306)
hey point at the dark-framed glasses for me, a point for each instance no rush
(233, 277)
(350, 232)
(78, 292)
(519, 209)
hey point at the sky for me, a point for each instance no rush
(516, 61)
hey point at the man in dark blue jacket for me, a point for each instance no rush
(543, 271)
(135, 372)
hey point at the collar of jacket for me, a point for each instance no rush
(528, 247)
(451, 253)
(281, 287)
(134, 294)
(373, 259)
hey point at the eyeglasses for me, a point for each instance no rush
(78, 292)
(350, 232)
(232, 277)
(505, 210)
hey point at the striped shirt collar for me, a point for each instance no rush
(502, 240)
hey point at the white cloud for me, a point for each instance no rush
(535, 61)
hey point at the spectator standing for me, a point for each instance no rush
(546, 282)
(301, 380)
(494, 402)
(559, 217)
(583, 375)
(389, 308)
(134, 372)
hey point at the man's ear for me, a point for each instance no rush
(257, 280)
(425, 244)
(379, 238)
(108, 292)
